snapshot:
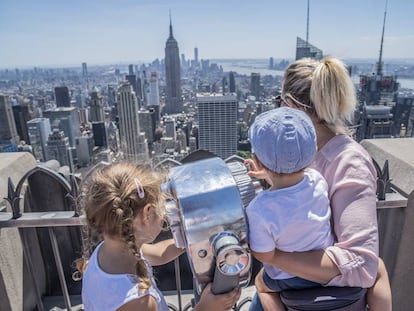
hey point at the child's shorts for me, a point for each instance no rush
(291, 283)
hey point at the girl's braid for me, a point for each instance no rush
(128, 235)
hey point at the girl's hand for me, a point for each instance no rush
(222, 302)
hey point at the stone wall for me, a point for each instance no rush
(16, 287)
(397, 225)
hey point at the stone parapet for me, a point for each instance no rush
(15, 283)
(399, 153)
(396, 225)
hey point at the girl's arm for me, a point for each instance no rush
(223, 302)
(162, 252)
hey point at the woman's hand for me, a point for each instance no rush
(223, 302)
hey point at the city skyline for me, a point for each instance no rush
(47, 32)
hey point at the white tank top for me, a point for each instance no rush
(102, 291)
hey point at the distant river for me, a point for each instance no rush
(247, 67)
(406, 83)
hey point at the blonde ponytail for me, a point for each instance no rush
(333, 94)
(326, 87)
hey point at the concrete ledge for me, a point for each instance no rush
(399, 153)
(14, 165)
(12, 275)
(397, 225)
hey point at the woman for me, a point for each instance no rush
(324, 90)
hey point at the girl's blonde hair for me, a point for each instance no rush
(113, 196)
(326, 87)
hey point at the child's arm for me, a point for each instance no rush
(162, 252)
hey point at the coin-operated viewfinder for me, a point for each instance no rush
(206, 216)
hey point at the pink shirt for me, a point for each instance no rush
(351, 176)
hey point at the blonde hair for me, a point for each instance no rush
(326, 87)
(111, 200)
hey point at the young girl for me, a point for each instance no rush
(124, 204)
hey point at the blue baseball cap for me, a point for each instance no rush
(283, 139)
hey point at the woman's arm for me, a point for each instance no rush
(351, 177)
(162, 252)
(315, 265)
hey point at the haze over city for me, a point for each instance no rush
(53, 33)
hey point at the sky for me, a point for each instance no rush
(69, 32)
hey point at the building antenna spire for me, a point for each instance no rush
(379, 65)
(307, 26)
(171, 30)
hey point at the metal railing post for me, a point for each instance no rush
(28, 261)
(59, 267)
(178, 281)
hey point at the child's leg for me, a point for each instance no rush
(379, 296)
(270, 299)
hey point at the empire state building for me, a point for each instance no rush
(174, 102)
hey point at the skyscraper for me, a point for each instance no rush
(39, 130)
(100, 134)
(255, 84)
(112, 94)
(379, 113)
(67, 120)
(84, 149)
(58, 148)
(217, 128)
(232, 82)
(224, 85)
(130, 69)
(85, 75)
(174, 102)
(62, 96)
(153, 94)
(133, 145)
(170, 129)
(132, 79)
(8, 131)
(84, 71)
(147, 124)
(96, 109)
(305, 49)
(21, 116)
(139, 93)
(271, 63)
(196, 55)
